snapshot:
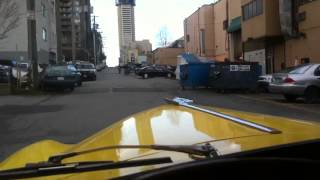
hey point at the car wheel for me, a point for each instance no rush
(311, 95)
(80, 83)
(145, 76)
(290, 98)
(169, 75)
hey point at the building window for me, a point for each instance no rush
(43, 10)
(44, 34)
(252, 9)
(202, 41)
(188, 38)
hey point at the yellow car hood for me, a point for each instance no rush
(168, 125)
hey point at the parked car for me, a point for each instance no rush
(265, 80)
(302, 81)
(181, 140)
(87, 70)
(154, 71)
(59, 76)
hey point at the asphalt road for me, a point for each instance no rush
(69, 117)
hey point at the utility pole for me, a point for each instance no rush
(94, 40)
(32, 41)
(73, 35)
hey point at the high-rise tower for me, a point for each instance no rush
(126, 22)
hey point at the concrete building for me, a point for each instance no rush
(15, 46)
(280, 33)
(126, 23)
(261, 32)
(144, 47)
(206, 31)
(305, 46)
(168, 55)
(74, 20)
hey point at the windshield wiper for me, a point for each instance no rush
(54, 166)
(201, 150)
(49, 169)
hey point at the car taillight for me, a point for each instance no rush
(289, 80)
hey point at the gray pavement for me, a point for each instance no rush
(70, 117)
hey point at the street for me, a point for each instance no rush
(69, 117)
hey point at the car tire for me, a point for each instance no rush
(311, 95)
(169, 75)
(145, 76)
(290, 98)
(80, 83)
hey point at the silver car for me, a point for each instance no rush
(302, 81)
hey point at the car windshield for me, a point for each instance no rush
(86, 74)
(300, 69)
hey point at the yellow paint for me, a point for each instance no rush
(168, 125)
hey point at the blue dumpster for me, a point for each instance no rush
(195, 72)
(234, 75)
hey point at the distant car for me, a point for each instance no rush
(302, 81)
(87, 70)
(59, 76)
(154, 71)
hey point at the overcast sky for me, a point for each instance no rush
(151, 16)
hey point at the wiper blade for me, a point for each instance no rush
(59, 169)
(202, 150)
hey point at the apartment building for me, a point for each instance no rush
(15, 46)
(206, 31)
(74, 19)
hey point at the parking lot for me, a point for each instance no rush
(69, 117)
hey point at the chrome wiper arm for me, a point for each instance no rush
(189, 104)
(202, 150)
(78, 167)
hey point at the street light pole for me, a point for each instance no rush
(32, 41)
(94, 41)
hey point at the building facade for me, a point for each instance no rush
(74, 21)
(169, 55)
(126, 23)
(280, 33)
(234, 30)
(206, 31)
(15, 46)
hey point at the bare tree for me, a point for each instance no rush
(163, 37)
(9, 17)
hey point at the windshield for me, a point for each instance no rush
(87, 74)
